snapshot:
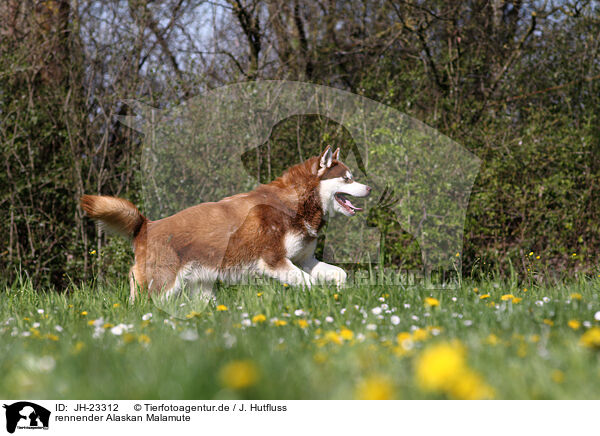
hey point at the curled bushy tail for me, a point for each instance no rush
(115, 213)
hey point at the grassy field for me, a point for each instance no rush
(484, 340)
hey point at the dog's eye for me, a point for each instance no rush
(347, 179)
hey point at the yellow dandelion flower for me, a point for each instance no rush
(108, 325)
(438, 365)
(404, 339)
(91, 322)
(333, 337)
(469, 385)
(537, 257)
(507, 297)
(591, 338)
(302, 323)
(78, 347)
(128, 338)
(517, 300)
(531, 253)
(375, 388)
(574, 324)
(52, 337)
(346, 334)
(259, 294)
(239, 374)
(193, 314)
(431, 302)
(420, 335)
(534, 338)
(279, 322)
(93, 252)
(548, 322)
(116, 305)
(336, 297)
(285, 285)
(70, 306)
(524, 289)
(476, 290)
(221, 308)
(576, 296)
(84, 313)
(143, 339)
(259, 318)
(209, 331)
(522, 350)
(558, 376)
(574, 255)
(457, 254)
(484, 296)
(492, 339)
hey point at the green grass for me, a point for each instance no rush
(166, 357)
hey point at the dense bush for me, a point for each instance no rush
(516, 83)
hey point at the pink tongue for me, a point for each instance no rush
(347, 203)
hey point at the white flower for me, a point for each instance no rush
(246, 322)
(26, 334)
(299, 312)
(435, 331)
(360, 337)
(415, 318)
(189, 335)
(376, 310)
(317, 322)
(343, 311)
(35, 325)
(287, 315)
(146, 316)
(454, 298)
(329, 319)
(245, 315)
(381, 299)
(119, 329)
(40, 311)
(597, 316)
(385, 306)
(98, 322)
(371, 327)
(546, 299)
(9, 320)
(395, 319)
(169, 323)
(587, 324)
(58, 328)
(406, 306)
(539, 303)
(468, 322)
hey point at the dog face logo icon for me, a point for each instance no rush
(26, 415)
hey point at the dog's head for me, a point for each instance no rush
(336, 183)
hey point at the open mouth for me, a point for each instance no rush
(346, 204)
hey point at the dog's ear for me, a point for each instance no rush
(325, 160)
(336, 154)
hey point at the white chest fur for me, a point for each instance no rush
(294, 244)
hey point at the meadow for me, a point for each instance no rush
(485, 339)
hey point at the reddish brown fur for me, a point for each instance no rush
(233, 232)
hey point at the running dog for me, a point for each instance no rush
(271, 230)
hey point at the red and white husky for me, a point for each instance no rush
(271, 231)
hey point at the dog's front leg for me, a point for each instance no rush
(324, 272)
(287, 272)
